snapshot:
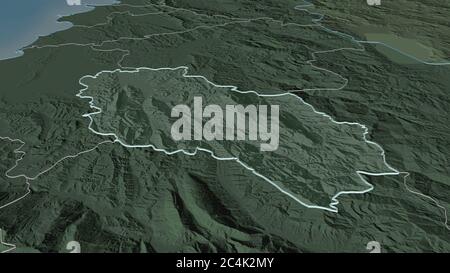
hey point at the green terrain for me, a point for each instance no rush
(112, 197)
(416, 28)
(317, 158)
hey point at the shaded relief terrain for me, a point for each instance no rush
(61, 181)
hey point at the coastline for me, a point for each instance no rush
(43, 20)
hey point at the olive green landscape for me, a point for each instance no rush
(136, 109)
(63, 180)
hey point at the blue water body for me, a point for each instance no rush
(23, 21)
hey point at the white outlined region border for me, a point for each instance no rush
(317, 22)
(11, 246)
(332, 206)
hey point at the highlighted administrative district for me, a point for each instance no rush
(316, 158)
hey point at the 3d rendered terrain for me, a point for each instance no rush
(87, 156)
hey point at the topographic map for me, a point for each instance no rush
(230, 126)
